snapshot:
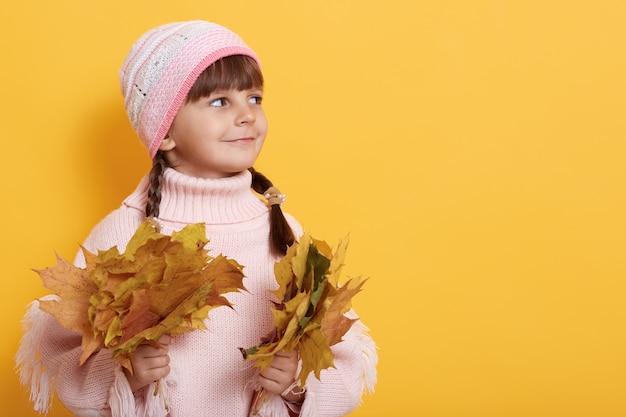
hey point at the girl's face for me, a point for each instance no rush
(219, 135)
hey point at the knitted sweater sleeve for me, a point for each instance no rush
(48, 362)
(340, 389)
(84, 389)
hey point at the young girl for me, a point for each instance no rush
(193, 92)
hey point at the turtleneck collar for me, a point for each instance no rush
(187, 199)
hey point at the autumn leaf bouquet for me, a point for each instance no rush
(160, 285)
(310, 314)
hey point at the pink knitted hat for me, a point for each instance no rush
(162, 66)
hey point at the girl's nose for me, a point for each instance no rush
(246, 115)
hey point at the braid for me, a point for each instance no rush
(159, 163)
(281, 235)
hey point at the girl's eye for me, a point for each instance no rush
(218, 102)
(255, 100)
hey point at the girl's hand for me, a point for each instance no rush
(149, 363)
(281, 374)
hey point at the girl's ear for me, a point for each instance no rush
(168, 144)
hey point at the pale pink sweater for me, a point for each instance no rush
(208, 375)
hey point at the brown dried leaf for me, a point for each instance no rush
(335, 323)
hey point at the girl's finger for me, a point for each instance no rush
(166, 339)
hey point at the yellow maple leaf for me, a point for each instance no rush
(160, 285)
(315, 354)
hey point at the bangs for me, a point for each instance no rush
(235, 72)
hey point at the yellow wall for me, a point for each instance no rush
(474, 150)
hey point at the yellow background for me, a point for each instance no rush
(474, 150)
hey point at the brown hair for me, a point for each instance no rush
(237, 72)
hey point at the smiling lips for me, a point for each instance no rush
(241, 140)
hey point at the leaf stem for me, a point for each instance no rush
(157, 391)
